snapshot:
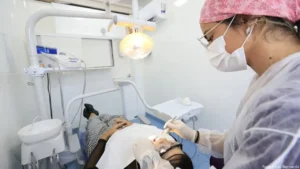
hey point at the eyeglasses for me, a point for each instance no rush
(202, 39)
(169, 149)
(203, 42)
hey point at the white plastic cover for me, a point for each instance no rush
(119, 148)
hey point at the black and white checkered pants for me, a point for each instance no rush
(96, 127)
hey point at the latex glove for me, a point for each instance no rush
(141, 148)
(147, 157)
(181, 129)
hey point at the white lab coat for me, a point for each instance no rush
(272, 101)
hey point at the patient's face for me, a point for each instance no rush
(163, 144)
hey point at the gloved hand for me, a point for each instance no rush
(147, 157)
(88, 110)
(141, 148)
(181, 129)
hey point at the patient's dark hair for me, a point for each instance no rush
(183, 161)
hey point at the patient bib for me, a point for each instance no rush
(119, 149)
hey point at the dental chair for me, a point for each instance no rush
(82, 139)
(81, 135)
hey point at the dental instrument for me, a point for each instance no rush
(164, 132)
(167, 130)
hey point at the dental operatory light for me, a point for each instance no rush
(179, 3)
(136, 45)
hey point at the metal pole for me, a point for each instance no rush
(32, 43)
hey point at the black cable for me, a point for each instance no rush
(49, 94)
(196, 143)
(195, 152)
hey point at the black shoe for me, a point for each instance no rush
(88, 110)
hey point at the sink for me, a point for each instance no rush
(40, 131)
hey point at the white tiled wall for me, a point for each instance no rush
(17, 99)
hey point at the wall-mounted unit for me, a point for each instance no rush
(117, 6)
(96, 51)
(154, 11)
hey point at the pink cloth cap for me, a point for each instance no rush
(218, 10)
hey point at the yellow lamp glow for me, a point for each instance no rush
(136, 45)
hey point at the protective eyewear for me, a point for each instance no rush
(163, 152)
(202, 39)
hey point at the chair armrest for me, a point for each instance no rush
(143, 119)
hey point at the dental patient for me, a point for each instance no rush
(110, 142)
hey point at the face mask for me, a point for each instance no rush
(222, 60)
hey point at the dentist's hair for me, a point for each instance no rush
(283, 25)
